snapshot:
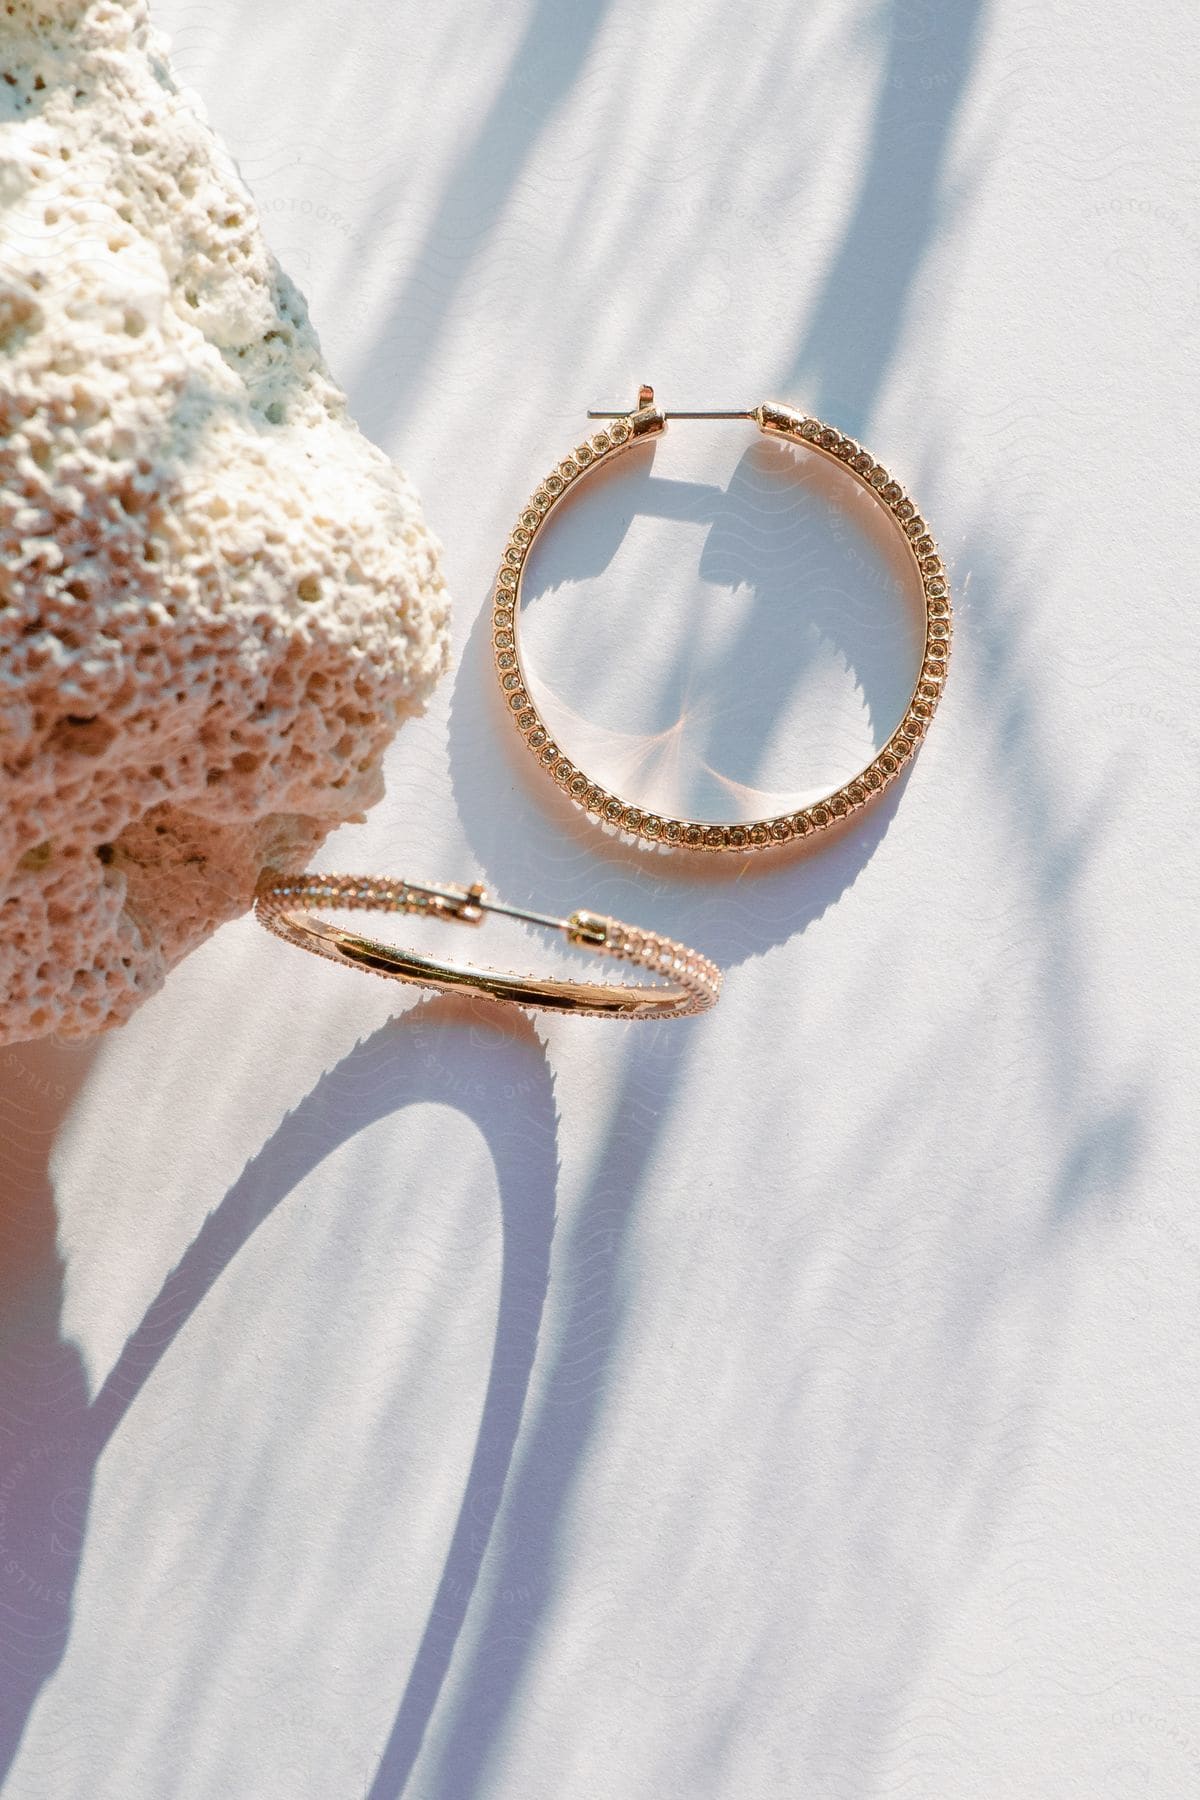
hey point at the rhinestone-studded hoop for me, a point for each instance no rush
(687, 982)
(625, 430)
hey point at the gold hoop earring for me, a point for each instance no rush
(625, 430)
(691, 984)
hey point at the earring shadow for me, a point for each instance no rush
(53, 1436)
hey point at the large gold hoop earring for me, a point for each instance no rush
(687, 982)
(649, 828)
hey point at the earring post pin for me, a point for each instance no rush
(748, 414)
(468, 903)
(530, 918)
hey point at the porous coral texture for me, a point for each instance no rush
(217, 598)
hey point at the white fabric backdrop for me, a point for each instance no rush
(797, 1401)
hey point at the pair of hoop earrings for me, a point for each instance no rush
(690, 983)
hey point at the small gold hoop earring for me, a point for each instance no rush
(649, 828)
(689, 983)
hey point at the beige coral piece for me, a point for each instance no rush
(217, 598)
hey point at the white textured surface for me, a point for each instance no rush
(217, 598)
(797, 1403)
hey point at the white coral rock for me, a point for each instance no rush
(217, 598)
